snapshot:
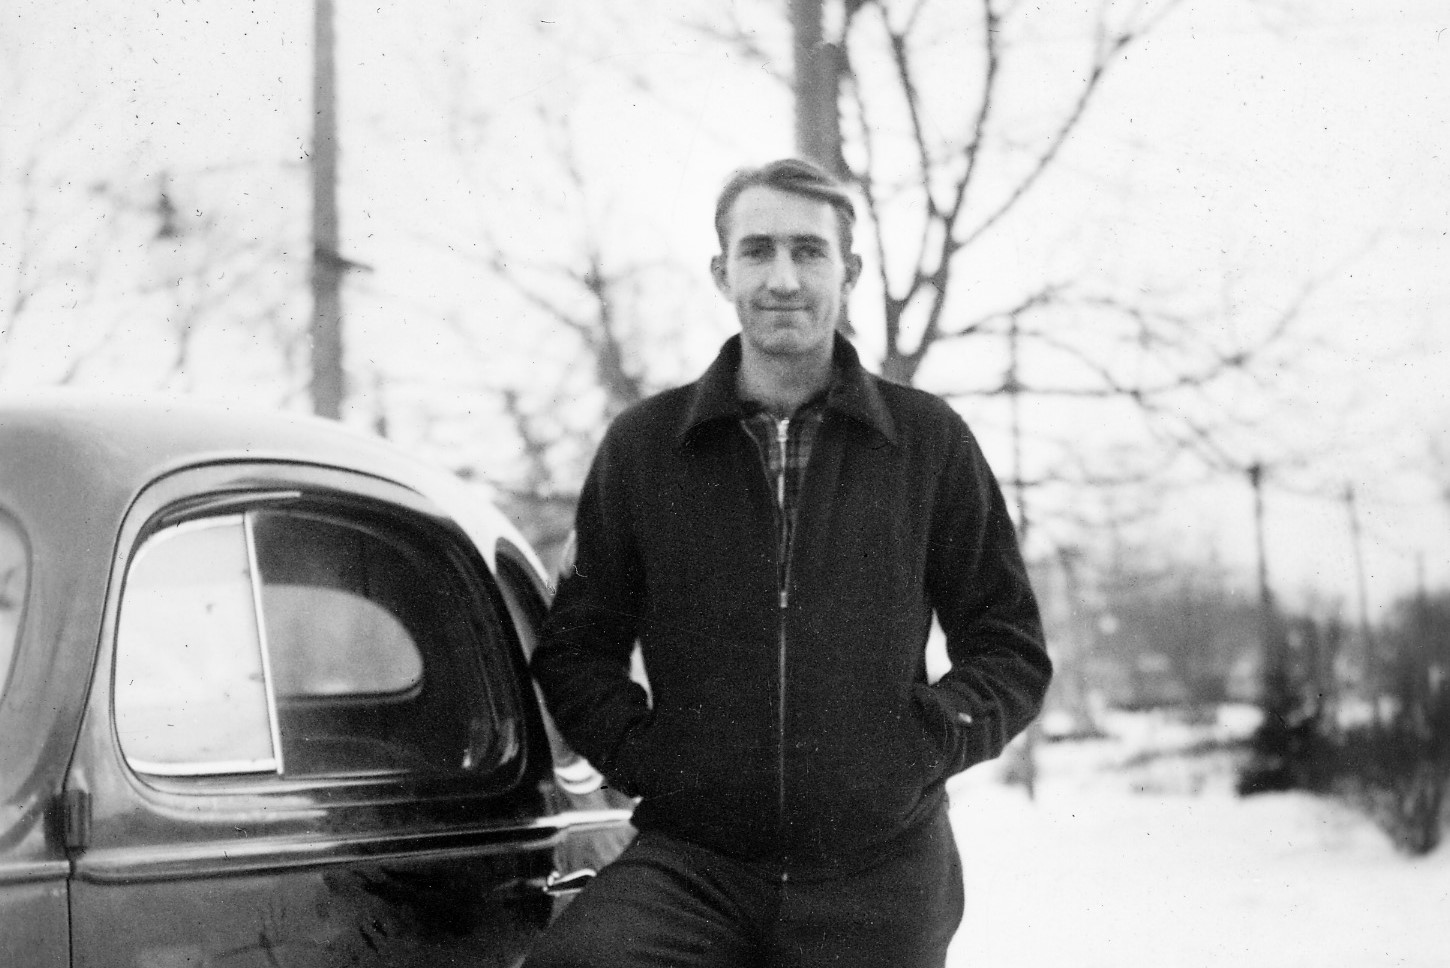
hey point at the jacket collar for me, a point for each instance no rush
(853, 394)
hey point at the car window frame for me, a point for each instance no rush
(236, 486)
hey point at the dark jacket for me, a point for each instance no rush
(793, 729)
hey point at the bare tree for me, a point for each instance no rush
(167, 274)
(214, 278)
(921, 105)
(46, 260)
(542, 247)
(941, 173)
(114, 270)
(597, 299)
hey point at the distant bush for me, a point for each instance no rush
(1400, 779)
(1396, 767)
(1286, 752)
(1396, 776)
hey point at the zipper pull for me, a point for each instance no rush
(782, 434)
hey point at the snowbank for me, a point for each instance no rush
(1160, 865)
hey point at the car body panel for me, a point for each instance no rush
(401, 869)
(34, 917)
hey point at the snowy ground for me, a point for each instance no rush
(1161, 865)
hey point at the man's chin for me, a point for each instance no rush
(790, 344)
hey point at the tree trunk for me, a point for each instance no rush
(817, 82)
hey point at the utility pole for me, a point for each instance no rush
(1276, 672)
(1256, 481)
(1012, 386)
(1370, 653)
(1023, 766)
(327, 378)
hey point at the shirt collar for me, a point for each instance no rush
(853, 393)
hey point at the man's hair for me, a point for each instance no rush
(787, 175)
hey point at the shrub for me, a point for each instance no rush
(1399, 777)
(1396, 768)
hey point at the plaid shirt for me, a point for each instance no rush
(785, 449)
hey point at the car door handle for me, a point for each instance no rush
(570, 883)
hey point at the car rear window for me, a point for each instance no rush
(305, 643)
(14, 577)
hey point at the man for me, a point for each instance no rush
(777, 537)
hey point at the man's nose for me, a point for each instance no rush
(783, 276)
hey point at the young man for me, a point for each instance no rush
(777, 536)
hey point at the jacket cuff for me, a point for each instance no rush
(625, 768)
(964, 734)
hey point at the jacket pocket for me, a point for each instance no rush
(936, 733)
(661, 757)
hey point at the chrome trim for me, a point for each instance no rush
(214, 503)
(588, 819)
(558, 883)
(263, 643)
(33, 871)
(200, 769)
(225, 858)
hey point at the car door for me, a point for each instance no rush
(311, 739)
(33, 915)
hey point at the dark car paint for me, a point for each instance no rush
(99, 866)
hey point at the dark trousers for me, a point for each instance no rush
(665, 902)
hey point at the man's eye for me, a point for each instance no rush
(755, 251)
(811, 251)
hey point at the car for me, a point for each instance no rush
(264, 701)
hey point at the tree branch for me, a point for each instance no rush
(1045, 159)
(973, 150)
(735, 35)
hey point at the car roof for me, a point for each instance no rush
(122, 443)
(55, 445)
(71, 466)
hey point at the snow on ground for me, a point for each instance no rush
(1160, 864)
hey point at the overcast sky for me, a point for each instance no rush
(1247, 148)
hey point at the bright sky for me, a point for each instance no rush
(1244, 149)
(1316, 148)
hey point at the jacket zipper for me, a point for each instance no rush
(782, 436)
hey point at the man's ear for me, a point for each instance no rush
(853, 269)
(717, 272)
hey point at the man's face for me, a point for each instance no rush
(784, 270)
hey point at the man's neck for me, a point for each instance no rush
(782, 384)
